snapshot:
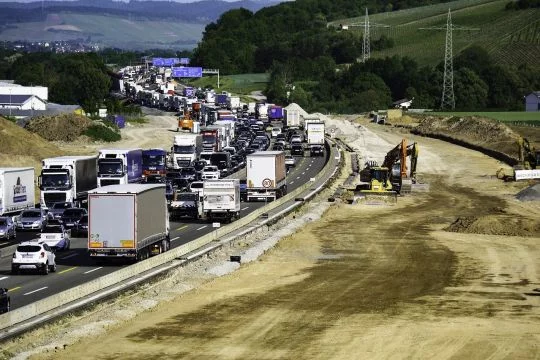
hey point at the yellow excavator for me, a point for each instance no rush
(528, 163)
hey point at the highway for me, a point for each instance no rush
(75, 267)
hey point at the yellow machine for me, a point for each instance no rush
(185, 122)
(528, 159)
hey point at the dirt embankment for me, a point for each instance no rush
(486, 135)
(65, 127)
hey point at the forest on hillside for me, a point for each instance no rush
(318, 66)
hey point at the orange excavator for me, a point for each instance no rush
(396, 161)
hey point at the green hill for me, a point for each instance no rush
(511, 37)
(107, 30)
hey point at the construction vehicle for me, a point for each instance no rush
(185, 122)
(528, 166)
(376, 184)
(396, 160)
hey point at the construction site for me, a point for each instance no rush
(425, 246)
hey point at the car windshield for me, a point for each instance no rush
(31, 214)
(73, 212)
(196, 185)
(52, 229)
(60, 206)
(210, 168)
(187, 197)
(52, 180)
(110, 167)
(28, 248)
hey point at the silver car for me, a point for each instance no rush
(32, 219)
(7, 228)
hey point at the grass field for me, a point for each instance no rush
(510, 37)
(110, 31)
(513, 117)
(241, 84)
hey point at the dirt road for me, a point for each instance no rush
(368, 282)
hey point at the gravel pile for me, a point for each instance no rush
(532, 193)
(65, 127)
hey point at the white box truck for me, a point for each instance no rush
(221, 199)
(292, 118)
(16, 189)
(315, 137)
(67, 179)
(128, 221)
(266, 175)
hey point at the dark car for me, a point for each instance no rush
(5, 303)
(58, 208)
(71, 216)
(82, 226)
(243, 189)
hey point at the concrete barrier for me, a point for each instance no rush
(39, 307)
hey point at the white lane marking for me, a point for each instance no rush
(69, 256)
(247, 207)
(202, 227)
(304, 173)
(298, 177)
(175, 238)
(89, 271)
(3, 278)
(292, 182)
(31, 292)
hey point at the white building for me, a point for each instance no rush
(7, 88)
(22, 102)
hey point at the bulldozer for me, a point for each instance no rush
(377, 187)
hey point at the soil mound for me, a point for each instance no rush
(532, 193)
(65, 127)
(487, 133)
(507, 225)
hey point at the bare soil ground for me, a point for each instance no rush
(376, 282)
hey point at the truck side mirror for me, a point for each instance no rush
(39, 181)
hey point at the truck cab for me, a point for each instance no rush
(119, 166)
(154, 164)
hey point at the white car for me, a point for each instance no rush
(276, 131)
(56, 236)
(290, 161)
(34, 255)
(210, 172)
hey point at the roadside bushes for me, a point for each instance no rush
(102, 132)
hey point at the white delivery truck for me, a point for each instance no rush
(16, 189)
(221, 199)
(266, 173)
(233, 103)
(67, 179)
(292, 118)
(315, 137)
(186, 150)
(128, 221)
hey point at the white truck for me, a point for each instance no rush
(262, 112)
(129, 221)
(233, 102)
(185, 204)
(221, 199)
(186, 150)
(266, 173)
(16, 189)
(315, 137)
(67, 179)
(292, 118)
(119, 166)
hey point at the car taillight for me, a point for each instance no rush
(42, 254)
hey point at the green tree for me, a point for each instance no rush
(470, 90)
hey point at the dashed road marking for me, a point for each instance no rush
(247, 207)
(65, 271)
(175, 238)
(202, 227)
(292, 182)
(31, 292)
(13, 289)
(182, 227)
(89, 271)
(3, 278)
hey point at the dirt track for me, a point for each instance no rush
(367, 282)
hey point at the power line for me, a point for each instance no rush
(448, 100)
(366, 40)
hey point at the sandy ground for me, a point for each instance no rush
(363, 282)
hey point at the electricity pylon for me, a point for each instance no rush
(448, 100)
(366, 48)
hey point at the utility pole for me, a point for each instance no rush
(366, 38)
(447, 99)
(365, 43)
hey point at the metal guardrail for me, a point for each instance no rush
(28, 313)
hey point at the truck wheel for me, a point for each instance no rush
(14, 270)
(52, 268)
